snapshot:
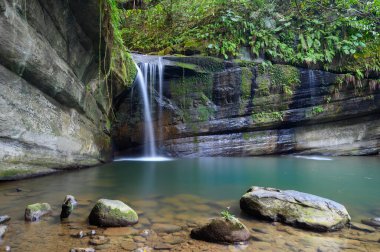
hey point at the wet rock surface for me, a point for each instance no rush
(36, 211)
(112, 213)
(222, 230)
(4, 219)
(3, 229)
(362, 227)
(374, 222)
(295, 208)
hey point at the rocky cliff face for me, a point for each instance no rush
(52, 107)
(216, 108)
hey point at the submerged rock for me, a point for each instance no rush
(3, 229)
(374, 222)
(362, 227)
(295, 208)
(4, 219)
(99, 240)
(222, 230)
(68, 206)
(35, 211)
(82, 250)
(112, 213)
(166, 228)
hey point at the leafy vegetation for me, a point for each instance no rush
(339, 34)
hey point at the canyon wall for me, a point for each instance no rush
(53, 107)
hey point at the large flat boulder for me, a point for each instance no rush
(295, 208)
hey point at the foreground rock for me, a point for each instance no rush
(112, 213)
(3, 229)
(295, 208)
(222, 230)
(35, 211)
(4, 219)
(68, 206)
(374, 222)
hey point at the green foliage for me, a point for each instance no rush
(292, 31)
(278, 78)
(267, 117)
(316, 110)
(227, 215)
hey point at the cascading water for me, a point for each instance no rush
(150, 77)
(312, 79)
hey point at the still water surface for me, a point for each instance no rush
(186, 192)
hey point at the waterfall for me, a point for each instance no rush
(141, 78)
(150, 77)
(161, 69)
(312, 79)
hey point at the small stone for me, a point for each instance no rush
(139, 239)
(3, 229)
(162, 246)
(362, 227)
(35, 211)
(79, 235)
(7, 248)
(91, 233)
(82, 250)
(146, 233)
(4, 219)
(99, 240)
(130, 245)
(68, 206)
(144, 249)
(374, 222)
(166, 228)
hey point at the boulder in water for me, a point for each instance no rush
(35, 211)
(112, 213)
(295, 208)
(68, 206)
(222, 230)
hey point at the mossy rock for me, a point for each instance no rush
(112, 213)
(35, 211)
(295, 208)
(222, 230)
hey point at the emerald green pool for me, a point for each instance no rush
(193, 189)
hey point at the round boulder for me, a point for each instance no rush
(222, 230)
(295, 208)
(112, 213)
